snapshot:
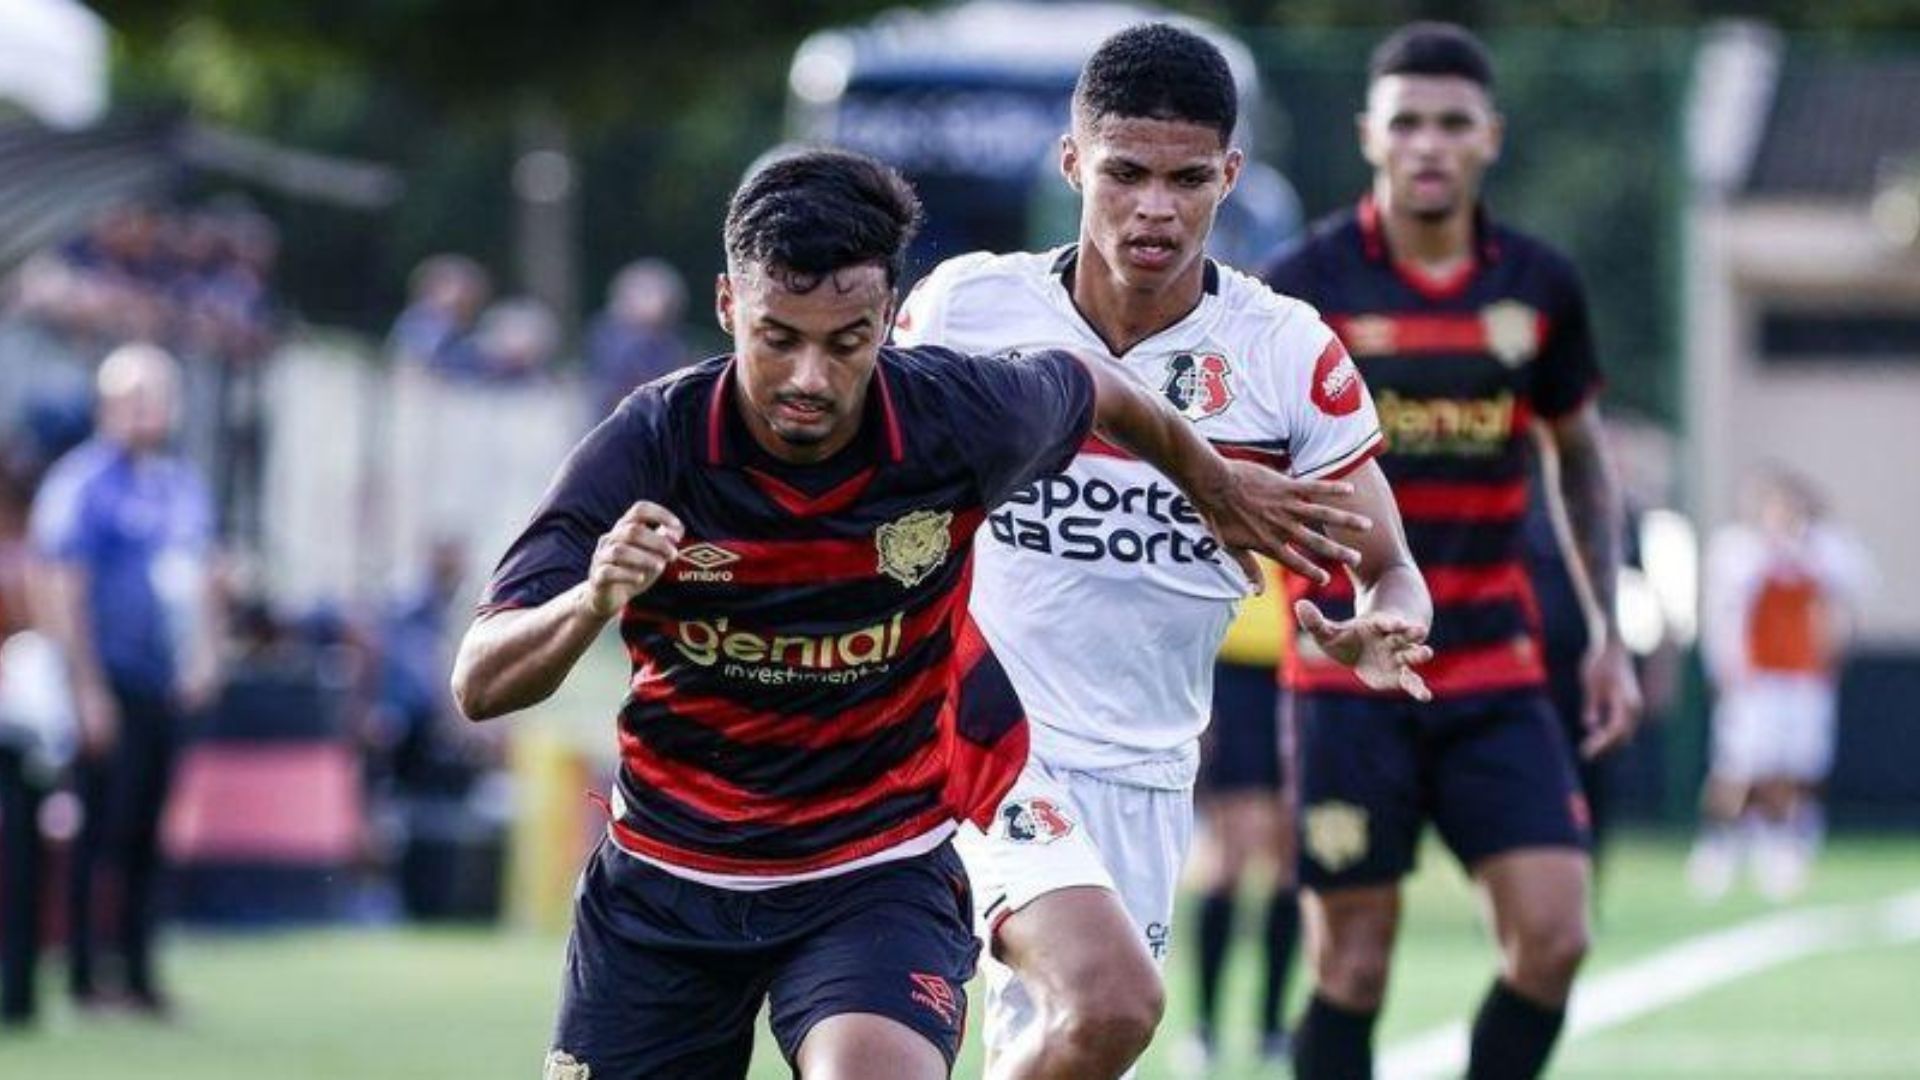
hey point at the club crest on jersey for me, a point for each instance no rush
(1197, 384)
(1034, 821)
(1513, 331)
(1336, 381)
(912, 547)
(1336, 834)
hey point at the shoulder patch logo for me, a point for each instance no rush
(912, 547)
(1198, 385)
(1513, 331)
(1336, 834)
(1336, 381)
(1034, 821)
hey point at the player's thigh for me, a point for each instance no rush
(1076, 944)
(894, 944)
(1502, 779)
(1537, 894)
(1359, 803)
(640, 997)
(862, 1046)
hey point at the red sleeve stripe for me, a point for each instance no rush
(1278, 460)
(635, 841)
(1096, 446)
(1439, 501)
(800, 562)
(1346, 463)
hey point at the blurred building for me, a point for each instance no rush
(1803, 331)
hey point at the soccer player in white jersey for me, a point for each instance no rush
(1100, 589)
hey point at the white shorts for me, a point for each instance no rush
(1059, 829)
(1775, 727)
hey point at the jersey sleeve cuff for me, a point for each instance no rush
(1369, 448)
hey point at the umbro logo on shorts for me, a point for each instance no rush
(937, 994)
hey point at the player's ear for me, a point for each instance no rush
(1363, 134)
(723, 302)
(1496, 135)
(1230, 171)
(1070, 161)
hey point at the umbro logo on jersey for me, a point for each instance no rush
(705, 563)
(1197, 384)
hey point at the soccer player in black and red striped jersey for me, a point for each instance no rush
(784, 534)
(1470, 334)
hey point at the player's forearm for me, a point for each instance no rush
(515, 658)
(1386, 580)
(1141, 424)
(1592, 498)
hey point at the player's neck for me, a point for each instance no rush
(1433, 246)
(1125, 316)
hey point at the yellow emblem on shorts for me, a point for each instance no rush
(912, 547)
(1513, 331)
(1336, 834)
(563, 1066)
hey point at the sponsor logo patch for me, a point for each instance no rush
(912, 547)
(1336, 381)
(935, 993)
(1336, 834)
(1198, 386)
(1034, 821)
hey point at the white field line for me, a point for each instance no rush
(1679, 972)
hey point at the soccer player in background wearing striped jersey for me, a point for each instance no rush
(1469, 333)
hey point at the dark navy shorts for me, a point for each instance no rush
(1241, 748)
(1494, 773)
(665, 976)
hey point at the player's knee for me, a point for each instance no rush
(1356, 978)
(1111, 1017)
(1550, 954)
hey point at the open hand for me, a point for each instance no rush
(1382, 649)
(1281, 517)
(1610, 710)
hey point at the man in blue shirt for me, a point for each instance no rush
(125, 527)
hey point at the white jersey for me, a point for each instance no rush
(1102, 593)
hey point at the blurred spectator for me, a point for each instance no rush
(1781, 589)
(517, 340)
(637, 338)
(435, 330)
(126, 528)
(416, 652)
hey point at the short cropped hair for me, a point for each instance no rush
(816, 211)
(1155, 71)
(1432, 48)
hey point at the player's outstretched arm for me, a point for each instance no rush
(1386, 640)
(1248, 507)
(516, 657)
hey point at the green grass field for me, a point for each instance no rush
(473, 1005)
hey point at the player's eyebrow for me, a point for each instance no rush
(861, 323)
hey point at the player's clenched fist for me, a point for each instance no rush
(631, 556)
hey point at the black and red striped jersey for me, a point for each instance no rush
(808, 691)
(1459, 371)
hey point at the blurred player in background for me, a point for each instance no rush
(1099, 588)
(1468, 332)
(1247, 826)
(1781, 588)
(785, 536)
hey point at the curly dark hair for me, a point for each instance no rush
(1432, 48)
(816, 211)
(1156, 71)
